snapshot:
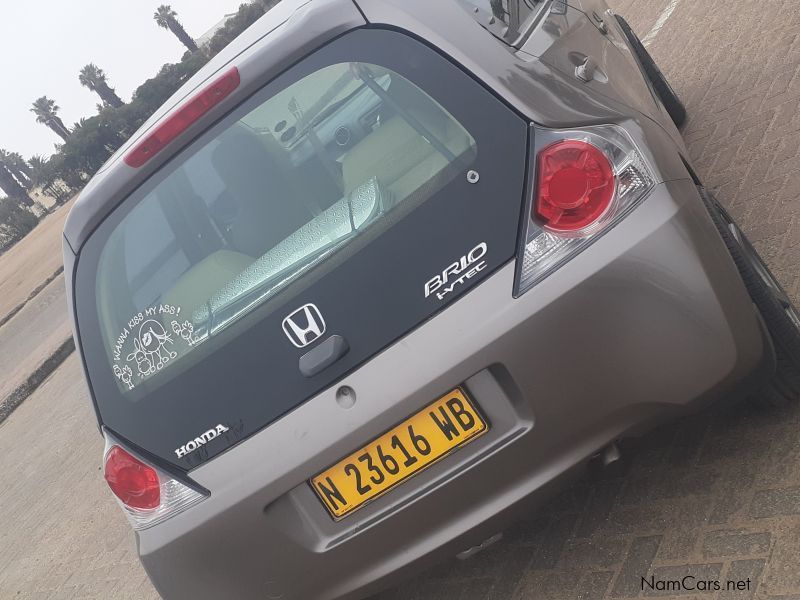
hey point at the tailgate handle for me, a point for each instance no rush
(323, 356)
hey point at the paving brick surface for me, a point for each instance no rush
(716, 495)
(61, 534)
(713, 496)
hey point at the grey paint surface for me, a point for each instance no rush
(657, 290)
(516, 359)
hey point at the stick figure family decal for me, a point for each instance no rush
(150, 351)
(150, 338)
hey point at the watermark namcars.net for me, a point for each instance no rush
(690, 583)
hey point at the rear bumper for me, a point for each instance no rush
(650, 322)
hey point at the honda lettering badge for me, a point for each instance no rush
(304, 326)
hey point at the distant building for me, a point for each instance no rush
(43, 197)
(47, 198)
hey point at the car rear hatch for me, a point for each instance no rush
(330, 213)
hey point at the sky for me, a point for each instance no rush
(45, 43)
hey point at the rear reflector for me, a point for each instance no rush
(179, 122)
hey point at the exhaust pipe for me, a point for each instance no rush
(610, 454)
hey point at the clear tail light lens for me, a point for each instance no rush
(147, 495)
(586, 180)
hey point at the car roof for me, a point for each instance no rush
(281, 37)
(296, 28)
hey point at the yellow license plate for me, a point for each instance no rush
(410, 447)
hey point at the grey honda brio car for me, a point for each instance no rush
(384, 273)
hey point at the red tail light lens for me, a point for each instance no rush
(576, 185)
(588, 179)
(133, 482)
(190, 112)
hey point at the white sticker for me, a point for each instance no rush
(146, 345)
(125, 375)
(186, 331)
(150, 348)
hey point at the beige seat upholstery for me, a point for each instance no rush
(200, 282)
(400, 157)
(267, 212)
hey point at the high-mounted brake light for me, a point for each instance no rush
(146, 495)
(179, 122)
(576, 185)
(586, 181)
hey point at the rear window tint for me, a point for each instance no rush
(338, 155)
(347, 230)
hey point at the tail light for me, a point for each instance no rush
(147, 495)
(183, 118)
(585, 181)
(576, 185)
(133, 482)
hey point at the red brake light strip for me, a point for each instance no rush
(180, 121)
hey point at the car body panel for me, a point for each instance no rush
(531, 87)
(365, 298)
(567, 40)
(543, 95)
(545, 91)
(516, 360)
(655, 315)
(285, 35)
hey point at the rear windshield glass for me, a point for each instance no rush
(340, 154)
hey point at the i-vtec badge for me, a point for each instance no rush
(201, 439)
(460, 271)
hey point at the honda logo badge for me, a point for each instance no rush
(304, 326)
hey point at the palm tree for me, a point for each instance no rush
(38, 164)
(268, 4)
(168, 19)
(20, 165)
(16, 165)
(497, 9)
(79, 124)
(46, 112)
(12, 187)
(93, 77)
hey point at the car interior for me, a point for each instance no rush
(254, 201)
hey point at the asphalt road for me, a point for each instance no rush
(61, 534)
(713, 496)
(32, 335)
(31, 261)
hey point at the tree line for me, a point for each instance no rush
(88, 143)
